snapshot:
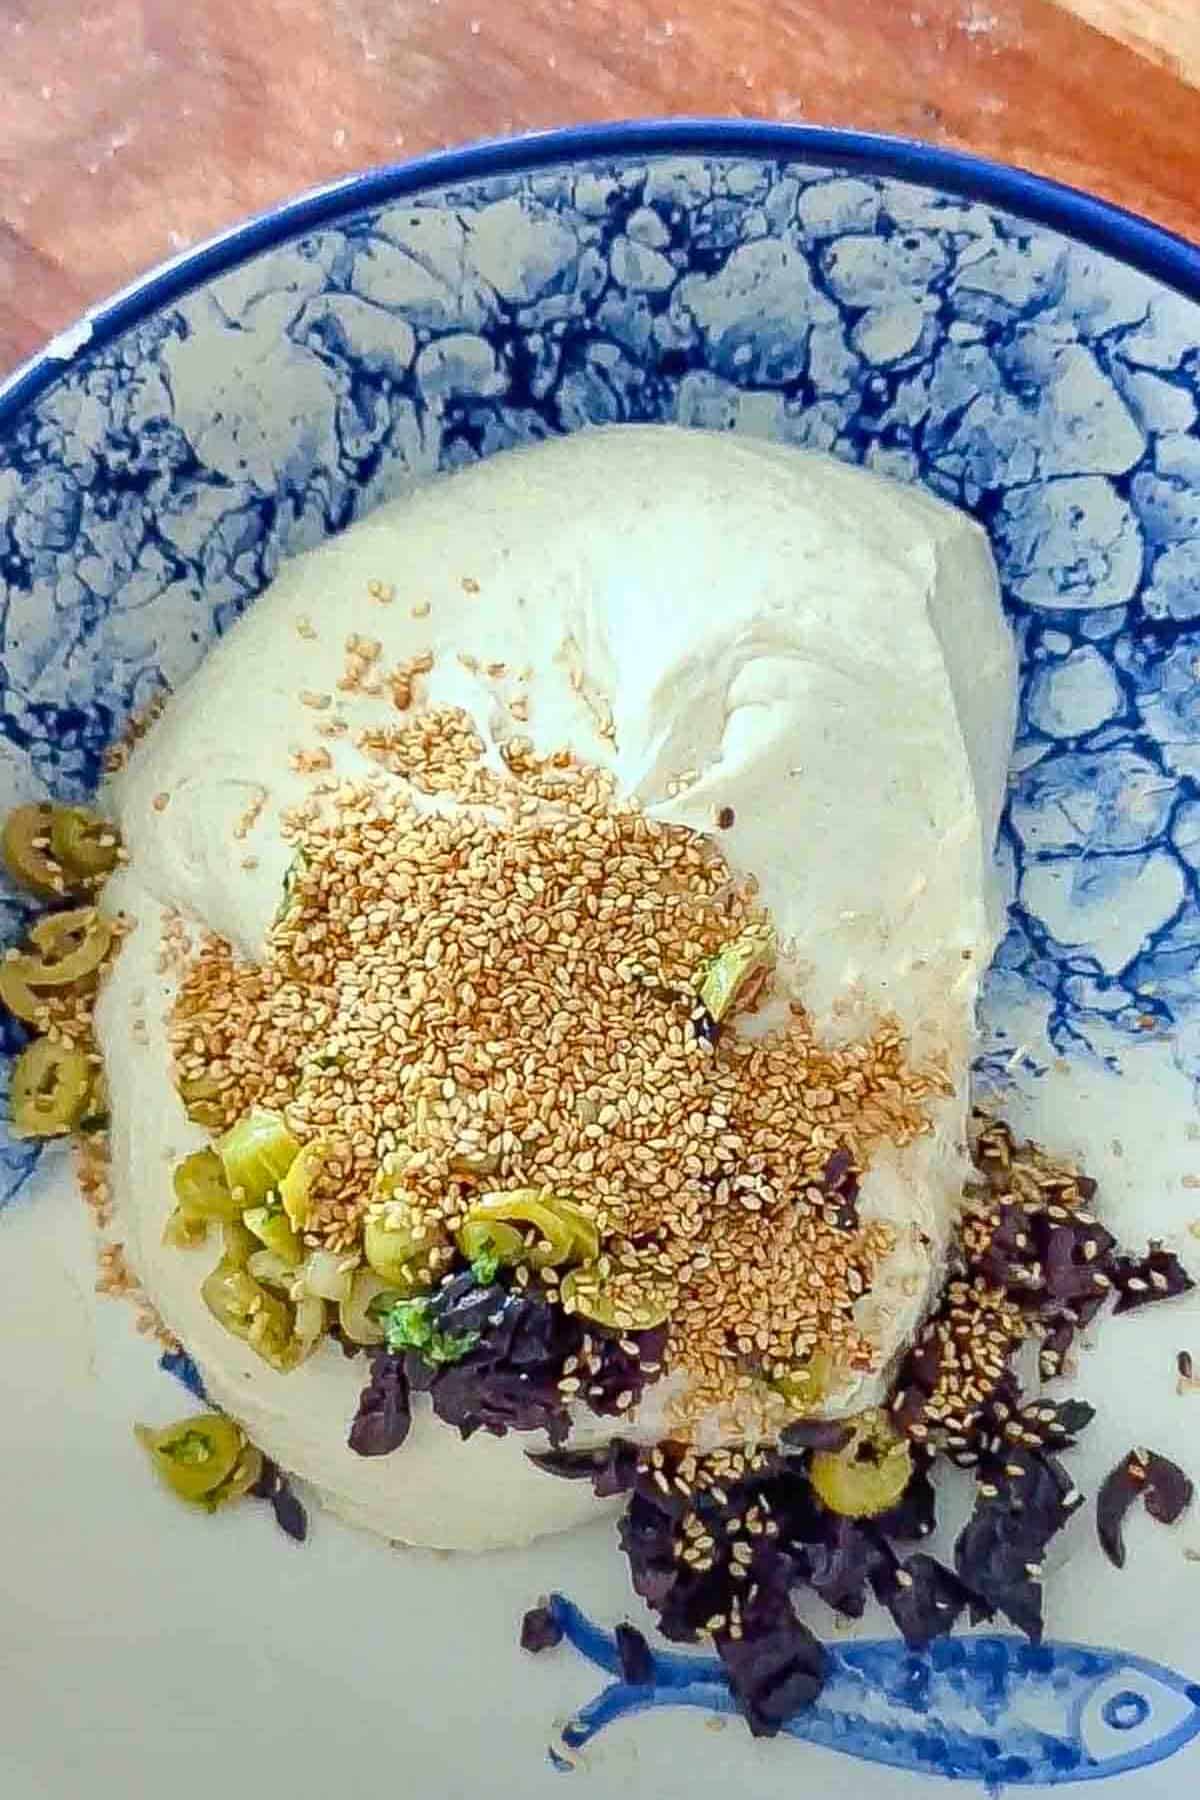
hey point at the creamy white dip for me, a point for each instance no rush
(822, 649)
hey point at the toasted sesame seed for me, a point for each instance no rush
(477, 973)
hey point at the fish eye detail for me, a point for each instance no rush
(1125, 1711)
(1135, 1715)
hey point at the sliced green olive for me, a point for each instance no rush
(266, 1267)
(490, 1237)
(295, 1188)
(17, 991)
(273, 1229)
(248, 1311)
(241, 1479)
(202, 1190)
(70, 946)
(183, 1231)
(201, 1096)
(583, 1229)
(556, 1234)
(310, 1323)
(85, 845)
(257, 1153)
(195, 1456)
(586, 1292)
(325, 1274)
(25, 846)
(355, 1316)
(807, 1386)
(733, 975)
(396, 1253)
(66, 948)
(51, 1089)
(237, 1244)
(869, 1474)
(98, 1116)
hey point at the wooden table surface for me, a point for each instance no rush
(131, 128)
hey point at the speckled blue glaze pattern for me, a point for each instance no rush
(149, 496)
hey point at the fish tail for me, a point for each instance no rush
(621, 1699)
(671, 1669)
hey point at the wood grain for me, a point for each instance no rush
(1167, 31)
(135, 127)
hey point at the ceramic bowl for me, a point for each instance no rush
(1024, 351)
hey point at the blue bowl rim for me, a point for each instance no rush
(1096, 223)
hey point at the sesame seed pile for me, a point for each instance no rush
(502, 996)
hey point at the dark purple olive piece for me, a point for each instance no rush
(840, 1569)
(1047, 1424)
(1056, 1347)
(914, 1515)
(926, 1360)
(1168, 1493)
(1157, 1276)
(540, 1630)
(1144, 1475)
(384, 1414)
(925, 1599)
(268, 1480)
(637, 1662)
(776, 1668)
(569, 1465)
(837, 1168)
(707, 1029)
(290, 1515)
(619, 1470)
(908, 1409)
(1025, 1499)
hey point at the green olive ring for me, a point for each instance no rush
(201, 1189)
(401, 1254)
(565, 1233)
(51, 1089)
(194, 1456)
(273, 1229)
(183, 1231)
(201, 1096)
(247, 1310)
(70, 945)
(67, 949)
(84, 845)
(25, 847)
(869, 1474)
(52, 851)
(256, 1154)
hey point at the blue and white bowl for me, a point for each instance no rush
(1028, 353)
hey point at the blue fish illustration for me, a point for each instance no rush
(996, 1710)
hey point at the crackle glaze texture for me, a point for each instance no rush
(148, 496)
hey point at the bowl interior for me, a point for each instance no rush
(148, 496)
